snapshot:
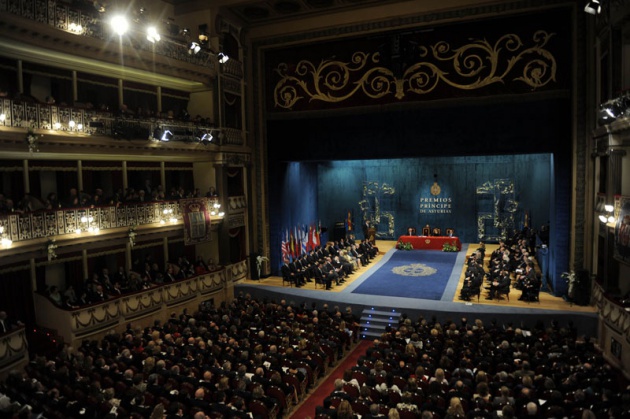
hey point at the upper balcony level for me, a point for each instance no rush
(78, 35)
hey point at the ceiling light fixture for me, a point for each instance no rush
(593, 7)
(119, 24)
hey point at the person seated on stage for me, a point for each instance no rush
(362, 258)
(499, 285)
(323, 276)
(528, 276)
(426, 230)
(338, 272)
(436, 232)
(531, 288)
(346, 266)
(289, 273)
(411, 231)
(466, 291)
(345, 257)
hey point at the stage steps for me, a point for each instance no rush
(376, 320)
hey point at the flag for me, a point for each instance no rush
(298, 245)
(304, 239)
(318, 238)
(309, 240)
(349, 221)
(285, 244)
(292, 245)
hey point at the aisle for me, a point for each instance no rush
(307, 407)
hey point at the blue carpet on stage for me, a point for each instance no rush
(420, 274)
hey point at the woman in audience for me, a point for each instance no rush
(455, 409)
(344, 410)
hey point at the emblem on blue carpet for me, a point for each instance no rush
(415, 269)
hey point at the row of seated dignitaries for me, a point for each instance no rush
(429, 369)
(329, 264)
(511, 264)
(214, 363)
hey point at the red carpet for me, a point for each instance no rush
(307, 408)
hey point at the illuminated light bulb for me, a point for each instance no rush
(72, 124)
(78, 231)
(57, 125)
(84, 219)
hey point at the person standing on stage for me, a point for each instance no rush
(366, 229)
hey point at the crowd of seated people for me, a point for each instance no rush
(453, 369)
(219, 362)
(103, 284)
(328, 265)
(76, 198)
(510, 264)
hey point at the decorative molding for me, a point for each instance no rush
(476, 65)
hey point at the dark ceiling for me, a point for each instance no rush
(261, 12)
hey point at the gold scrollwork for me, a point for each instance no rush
(469, 67)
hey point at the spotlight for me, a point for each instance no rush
(119, 24)
(206, 138)
(152, 34)
(593, 7)
(603, 219)
(194, 48)
(166, 135)
(203, 39)
(223, 58)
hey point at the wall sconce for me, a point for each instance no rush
(168, 214)
(608, 218)
(4, 240)
(215, 210)
(85, 225)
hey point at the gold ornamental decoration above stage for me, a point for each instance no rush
(509, 61)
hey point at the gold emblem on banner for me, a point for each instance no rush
(435, 189)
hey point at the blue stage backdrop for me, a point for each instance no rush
(473, 195)
(476, 196)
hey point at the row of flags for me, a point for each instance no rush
(302, 238)
(299, 240)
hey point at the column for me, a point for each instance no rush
(25, 177)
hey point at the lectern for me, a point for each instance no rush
(372, 235)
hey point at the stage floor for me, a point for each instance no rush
(547, 300)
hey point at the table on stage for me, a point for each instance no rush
(430, 242)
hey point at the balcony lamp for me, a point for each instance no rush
(152, 34)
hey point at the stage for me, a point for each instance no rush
(514, 312)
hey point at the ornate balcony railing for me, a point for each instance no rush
(77, 324)
(65, 119)
(20, 227)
